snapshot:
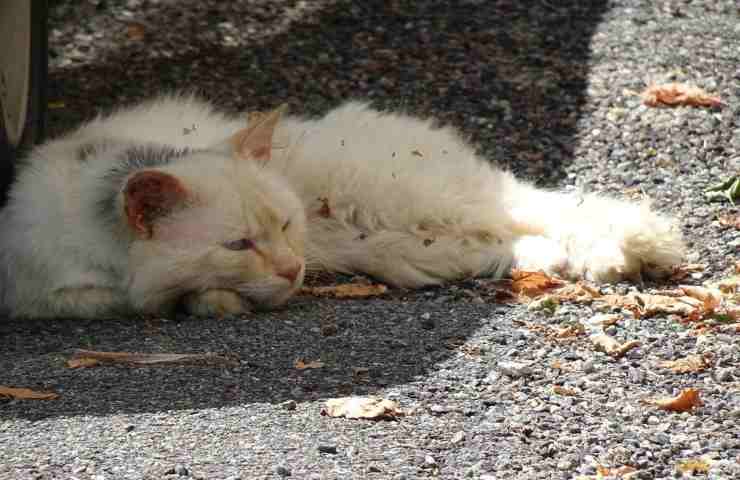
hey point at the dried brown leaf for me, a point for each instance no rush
(694, 465)
(86, 358)
(362, 407)
(680, 272)
(570, 331)
(647, 305)
(26, 394)
(533, 284)
(728, 286)
(558, 365)
(82, 362)
(604, 320)
(711, 297)
(684, 402)
(730, 221)
(610, 346)
(347, 290)
(675, 94)
(579, 292)
(618, 472)
(568, 392)
(135, 31)
(690, 364)
(302, 364)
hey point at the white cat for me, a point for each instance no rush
(173, 202)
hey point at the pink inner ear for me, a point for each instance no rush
(150, 194)
(254, 144)
(255, 141)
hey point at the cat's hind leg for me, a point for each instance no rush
(414, 259)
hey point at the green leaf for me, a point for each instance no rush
(729, 189)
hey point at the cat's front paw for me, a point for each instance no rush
(215, 303)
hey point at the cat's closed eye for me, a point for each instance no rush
(241, 244)
(286, 225)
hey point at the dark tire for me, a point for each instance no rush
(34, 125)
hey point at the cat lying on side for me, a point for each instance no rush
(171, 202)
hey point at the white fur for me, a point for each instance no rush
(383, 194)
(386, 176)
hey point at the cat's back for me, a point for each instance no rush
(356, 138)
(395, 165)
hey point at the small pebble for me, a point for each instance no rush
(329, 329)
(515, 369)
(588, 366)
(473, 471)
(327, 449)
(439, 409)
(181, 471)
(459, 437)
(429, 461)
(724, 374)
(283, 471)
(289, 405)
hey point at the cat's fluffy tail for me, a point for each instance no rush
(592, 236)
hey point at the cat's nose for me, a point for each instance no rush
(290, 273)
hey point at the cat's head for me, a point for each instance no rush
(215, 219)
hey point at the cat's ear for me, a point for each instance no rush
(149, 195)
(254, 142)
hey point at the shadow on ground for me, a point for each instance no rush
(510, 74)
(397, 341)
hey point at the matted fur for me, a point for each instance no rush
(356, 191)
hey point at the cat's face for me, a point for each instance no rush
(236, 229)
(215, 220)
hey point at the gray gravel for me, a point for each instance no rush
(543, 87)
